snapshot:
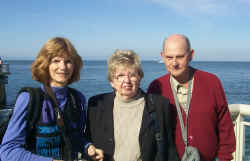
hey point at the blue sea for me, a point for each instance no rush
(235, 77)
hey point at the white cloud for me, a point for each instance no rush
(208, 7)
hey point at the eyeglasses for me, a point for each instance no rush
(133, 77)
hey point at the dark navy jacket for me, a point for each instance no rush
(101, 127)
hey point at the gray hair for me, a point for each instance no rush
(126, 58)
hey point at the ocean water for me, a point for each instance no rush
(235, 77)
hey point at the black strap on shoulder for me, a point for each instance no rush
(34, 106)
(34, 109)
(73, 96)
(74, 112)
(156, 129)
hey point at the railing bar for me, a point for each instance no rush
(245, 123)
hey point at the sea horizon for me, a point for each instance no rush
(145, 60)
(234, 75)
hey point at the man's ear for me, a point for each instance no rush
(191, 55)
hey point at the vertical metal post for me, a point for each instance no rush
(240, 137)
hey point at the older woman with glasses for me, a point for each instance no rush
(125, 122)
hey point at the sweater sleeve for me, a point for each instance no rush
(225, 129)
(12, 147)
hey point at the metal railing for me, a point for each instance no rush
(239, 112)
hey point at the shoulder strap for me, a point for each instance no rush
(72, 111)
(34, 109)
(34, 105)
(156, 128)
(183, 127)
(74, 97)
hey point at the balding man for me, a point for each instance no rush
(201, 100)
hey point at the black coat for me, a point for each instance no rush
(101, 127)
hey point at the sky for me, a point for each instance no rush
(219, 30)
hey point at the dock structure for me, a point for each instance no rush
(4, 72)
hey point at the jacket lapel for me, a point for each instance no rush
(146, 118)
(108, 121)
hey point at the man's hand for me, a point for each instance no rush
(95, 154)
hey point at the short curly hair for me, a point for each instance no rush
(57, 46)
(127, 58)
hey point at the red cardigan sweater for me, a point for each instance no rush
(210, 126)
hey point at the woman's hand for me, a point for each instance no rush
(95, 154)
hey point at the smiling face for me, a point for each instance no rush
(176, 56)
(60, 71)
(126, 82)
